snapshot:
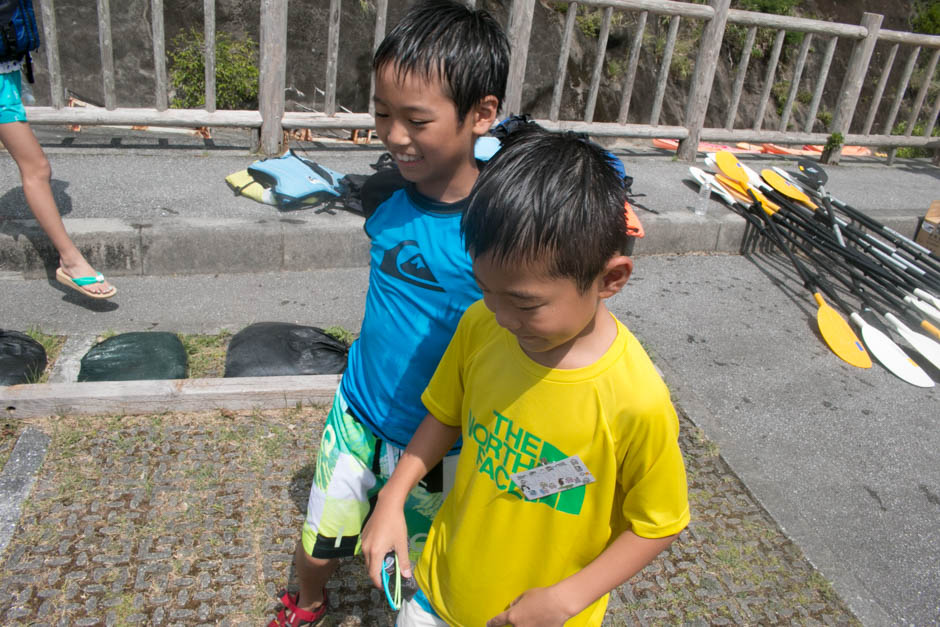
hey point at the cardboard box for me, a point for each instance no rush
(928, 235)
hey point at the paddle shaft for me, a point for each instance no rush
(828, 260)
(921, 254)
(875, 261)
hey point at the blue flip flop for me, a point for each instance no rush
(78, 284)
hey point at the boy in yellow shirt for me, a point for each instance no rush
(539, 377)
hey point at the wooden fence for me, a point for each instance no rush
(715, 19)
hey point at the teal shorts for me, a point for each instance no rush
(352, 466)
(11, 103)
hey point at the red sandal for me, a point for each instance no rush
(293, 616)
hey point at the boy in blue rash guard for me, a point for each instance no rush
(440, 77)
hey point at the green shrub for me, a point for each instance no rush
(825, 117)
(616, 68)
(236, 71)
(912, 152)
(834, 142)
(926, 17)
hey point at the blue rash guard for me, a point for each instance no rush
(420, 283)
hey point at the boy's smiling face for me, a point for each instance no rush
(417, 121)
(555, 323)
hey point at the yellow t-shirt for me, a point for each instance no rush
(488, 544)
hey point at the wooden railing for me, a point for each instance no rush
(271, 118)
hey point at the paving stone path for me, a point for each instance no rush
(191, 519)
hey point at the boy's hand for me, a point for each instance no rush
(536, 607)
(385, 531)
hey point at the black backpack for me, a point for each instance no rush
(19, 34)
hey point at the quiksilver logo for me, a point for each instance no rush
(406, 262)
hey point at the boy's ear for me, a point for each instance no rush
(484, 114)
(616, 273)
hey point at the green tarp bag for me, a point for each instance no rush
(135, 356)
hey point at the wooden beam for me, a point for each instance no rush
(562, 70)
(880, 89)
(795, 81)
(739, 77)
(599, 60)
(769, 78)
(147, 397)
(632, 63)
(663, 76)
(824, 66)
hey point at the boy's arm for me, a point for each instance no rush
(626, 556)
(386, 529)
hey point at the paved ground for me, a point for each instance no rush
(168, 210)
(191, 519)
(844, 461)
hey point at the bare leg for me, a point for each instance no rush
(312, 574)
(35, 173)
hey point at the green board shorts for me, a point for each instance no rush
(352, 466)
(11, 102)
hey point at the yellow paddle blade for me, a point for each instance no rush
(734, 189)
(729, 166)
(739, 191)
(786, 188)
(840, 337)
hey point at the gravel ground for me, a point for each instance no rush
(182, 519)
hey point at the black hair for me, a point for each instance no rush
(548, 197)
(466, 50)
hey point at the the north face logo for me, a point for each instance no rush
(406, 262)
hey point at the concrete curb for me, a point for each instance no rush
(213, 245)
(17, 479)
(192, 245)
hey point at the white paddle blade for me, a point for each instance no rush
(919, 342)
(891, 356)
(927, 296)
(927, 308)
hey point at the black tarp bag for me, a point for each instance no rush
(22, 359)
(268, 349)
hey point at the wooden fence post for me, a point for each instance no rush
(159, 55)
(520, 28)
(51, 48)
(332, 56)
(107, 53)
(705, 64)
(273, 74)
(208, 20)
(852, 83)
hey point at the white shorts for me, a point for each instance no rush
(412, 614)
